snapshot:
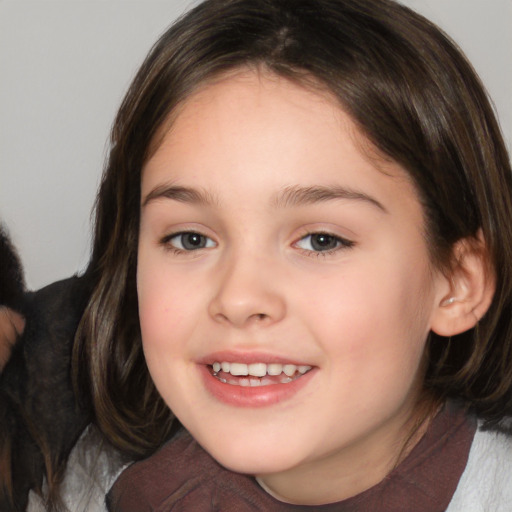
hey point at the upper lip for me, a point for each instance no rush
(249, 357)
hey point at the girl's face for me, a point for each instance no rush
(285, 288)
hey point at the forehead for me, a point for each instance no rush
(251, 127)
(237, 90)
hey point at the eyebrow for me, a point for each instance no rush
(298, 196)
(287, 198)
(182, 194)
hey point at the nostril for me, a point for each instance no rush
(258, 318)
(247, 305)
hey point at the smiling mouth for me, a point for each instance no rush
(257, 374)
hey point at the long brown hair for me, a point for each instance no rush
(417, 100)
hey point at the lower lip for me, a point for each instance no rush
(258, 396)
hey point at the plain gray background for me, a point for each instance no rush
(64, 67)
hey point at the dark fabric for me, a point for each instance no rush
(36, 389)
(183, 477)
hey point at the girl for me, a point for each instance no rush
(303, 251)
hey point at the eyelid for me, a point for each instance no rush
(343, 243)
(166, 241)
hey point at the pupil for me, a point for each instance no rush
(323, 242)
(193, 241)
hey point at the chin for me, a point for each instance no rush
(253, 457)
(253, 465)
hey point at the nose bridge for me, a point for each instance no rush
(247, 290)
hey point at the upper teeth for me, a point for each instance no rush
(259, 369)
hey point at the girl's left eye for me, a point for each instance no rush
(323, 242)
(188, 241)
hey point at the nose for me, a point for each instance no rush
(247, 294)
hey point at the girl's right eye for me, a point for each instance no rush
(188, 241)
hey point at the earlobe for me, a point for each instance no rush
(467, 292)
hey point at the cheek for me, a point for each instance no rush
(162, 315)
(376, 316)
(169, 309)
(157, 302)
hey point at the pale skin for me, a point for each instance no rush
(306, 253)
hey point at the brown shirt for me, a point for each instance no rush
(183, 477)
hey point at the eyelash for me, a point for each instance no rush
(341, 243)
(166, 241)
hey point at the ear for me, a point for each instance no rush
(464, 296)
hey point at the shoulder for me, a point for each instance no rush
(181, 476)
(486, 483)
(178, 467)
(179, 458)
(91, 469)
